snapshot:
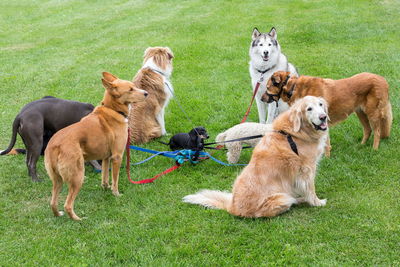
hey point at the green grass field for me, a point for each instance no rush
(60, 48)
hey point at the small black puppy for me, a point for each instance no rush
(39, 120)
(193, 140)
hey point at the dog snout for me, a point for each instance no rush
(322, 117)
(266, 53)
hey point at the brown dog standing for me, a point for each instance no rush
(366, 94)
(100, 135)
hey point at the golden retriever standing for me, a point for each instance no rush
(282, 168)
(365, 93)
(100, 135)
(146, 120)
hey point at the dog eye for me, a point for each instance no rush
(269, 44)
(320, 104)
(261, 44)
(309, 109)
(131, 89)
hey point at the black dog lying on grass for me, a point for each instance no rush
(193, 140)
(38, 121)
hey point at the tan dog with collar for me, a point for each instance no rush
(100, 135)
(366, 94)
(282, 168)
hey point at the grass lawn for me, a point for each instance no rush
(60, 48)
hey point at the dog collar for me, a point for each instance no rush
(123, 114)
(159, 72)
(290, 140)
(264, 71)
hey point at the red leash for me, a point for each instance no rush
(146, 181)
(252, 100)
(128, 166)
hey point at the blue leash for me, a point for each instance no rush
(179, 156)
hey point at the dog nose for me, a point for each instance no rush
(322, 117)
(266, 53)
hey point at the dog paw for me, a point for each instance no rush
(321, 202)
(105, 186)
(58, 213)
(117, 194)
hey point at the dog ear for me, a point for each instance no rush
(295, 118)
(169, 53)
(255, 34)
(276, 78)
(325, 107)
(110, 88)
(109, 77)
(273, 33)
(146, 52)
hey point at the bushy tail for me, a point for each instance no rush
(211, 199)
(13, 137)
(386, 123)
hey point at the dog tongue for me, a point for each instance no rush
(323, 126)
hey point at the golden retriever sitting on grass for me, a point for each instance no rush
(282, 168)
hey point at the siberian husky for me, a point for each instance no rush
(265, 59)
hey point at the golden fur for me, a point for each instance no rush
(276, 177)
(366, 94)
(146, 120)
(100, 135)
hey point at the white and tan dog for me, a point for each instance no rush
(146, 120)
(246, 129)
(266, 58)
(282, 168)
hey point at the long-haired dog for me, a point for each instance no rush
(146, 120)
(100, 135)
(282, 168)
(238, 131)
(366, 94)
(266, 58)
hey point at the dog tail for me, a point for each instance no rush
(386, 123)
(213, 199)
(13, 137)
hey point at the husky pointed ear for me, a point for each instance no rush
(109, 77)
(273, 33)
(255, 34)
(295, 118)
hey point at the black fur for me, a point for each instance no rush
(194, 140)
(39, 120)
